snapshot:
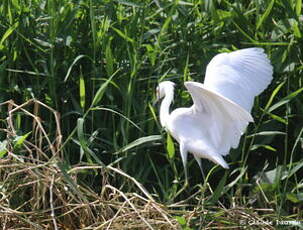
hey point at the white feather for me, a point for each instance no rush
(240, 75)
(221, 106)
(226, 120)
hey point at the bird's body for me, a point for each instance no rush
(192, 135)
(220, 111)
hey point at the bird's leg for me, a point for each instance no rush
(199, 161)
(183, 152)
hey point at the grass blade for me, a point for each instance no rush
(266, 14)
(272, 96)
(123, 35)
(285, 100)
(170, 148)
(82, 91)
(298, 7)
(72, 65)
(101, 90)
(83, 143)
(7, 33)
(139, 142)
(219, 189)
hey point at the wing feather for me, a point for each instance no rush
(227, 120)
(240, 75)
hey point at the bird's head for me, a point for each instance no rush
(163, 88)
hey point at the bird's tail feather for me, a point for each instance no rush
(218, 159)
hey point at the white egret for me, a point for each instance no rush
(221, 106)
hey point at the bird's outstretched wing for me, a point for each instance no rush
(226, 120)
(240, 75)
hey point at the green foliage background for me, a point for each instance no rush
(98, 62)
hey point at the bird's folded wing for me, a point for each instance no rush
(240, 75)
(227, 120)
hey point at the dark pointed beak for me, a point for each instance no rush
(157, 99)
(155, 102)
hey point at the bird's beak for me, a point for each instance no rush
(155, 102)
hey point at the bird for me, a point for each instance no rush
(221, 106)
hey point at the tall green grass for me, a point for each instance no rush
(98, 62)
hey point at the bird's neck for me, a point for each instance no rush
(164, 108)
